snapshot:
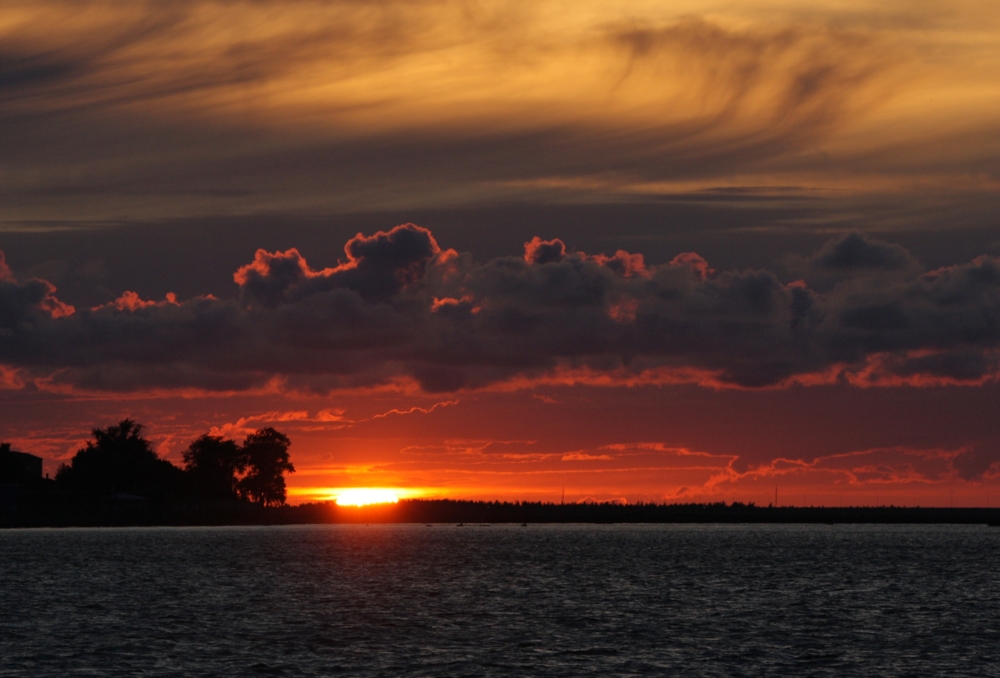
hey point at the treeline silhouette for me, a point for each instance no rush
(117, 478)
(490, 512)
(120, 461)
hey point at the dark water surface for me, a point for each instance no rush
(615, 600)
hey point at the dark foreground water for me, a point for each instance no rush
(614, 600)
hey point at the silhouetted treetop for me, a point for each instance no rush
(266, 454)
(119, 459)
(213, 465)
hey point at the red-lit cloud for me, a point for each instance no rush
(400, 310)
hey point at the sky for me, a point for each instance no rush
(655, 251)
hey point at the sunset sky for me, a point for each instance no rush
(656, 251)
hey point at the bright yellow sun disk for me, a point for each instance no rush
(363, 496)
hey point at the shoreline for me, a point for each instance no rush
(61, 511)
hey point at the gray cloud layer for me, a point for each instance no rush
(399, 306)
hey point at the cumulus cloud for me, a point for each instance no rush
(853, 256)
(25, 305)
(400, 310)
(376, 269)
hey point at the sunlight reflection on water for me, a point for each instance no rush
(501, 601)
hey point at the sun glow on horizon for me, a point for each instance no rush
(364, 496)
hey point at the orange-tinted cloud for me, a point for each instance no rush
(230, 107)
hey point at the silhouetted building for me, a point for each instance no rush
(19, 468)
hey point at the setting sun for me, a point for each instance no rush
(363, 496)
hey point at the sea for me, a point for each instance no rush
(501, 600)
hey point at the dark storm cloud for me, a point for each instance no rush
(853, 256)
(954, 310)
(398, 306)
(376, 269)
(26, 304)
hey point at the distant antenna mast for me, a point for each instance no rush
(563, 502)
(775, 495)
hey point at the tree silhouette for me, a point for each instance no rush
(119, 459)
(266, 454)
(213, 464)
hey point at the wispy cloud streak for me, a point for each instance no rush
(219, 107)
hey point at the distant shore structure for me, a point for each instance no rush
(18, 468)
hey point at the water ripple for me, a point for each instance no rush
(750, 600)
